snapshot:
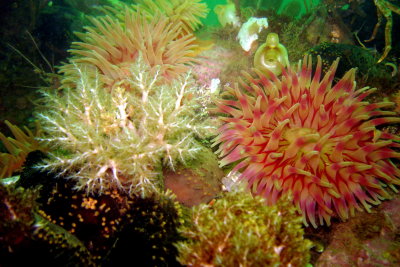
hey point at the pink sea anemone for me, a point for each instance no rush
(303, 135)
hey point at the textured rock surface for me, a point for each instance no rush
(191, 188)
(369, 239)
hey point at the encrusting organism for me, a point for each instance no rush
(302, 134)
(148, 233)
(114, 226)
(28, 237)
(121, 139)
(239, 230)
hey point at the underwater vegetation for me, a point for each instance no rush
(128, 104)
(243, 232)
(111, 226)
(385, 9)
(373, 24)
(121, 139)
(301, 133)
(127, 107)
(131, 115)
(368, 72)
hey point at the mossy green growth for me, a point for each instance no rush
(240, 230)
(205, 159)
(120, 137)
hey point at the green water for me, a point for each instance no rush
(287, 7)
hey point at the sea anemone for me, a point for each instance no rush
(112, 46)
(18, 148)
(305, 135)
(188, 12)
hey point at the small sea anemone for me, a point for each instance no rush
(112, 46)
(317, 140)
(18, 148)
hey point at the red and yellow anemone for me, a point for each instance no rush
(304, 135)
